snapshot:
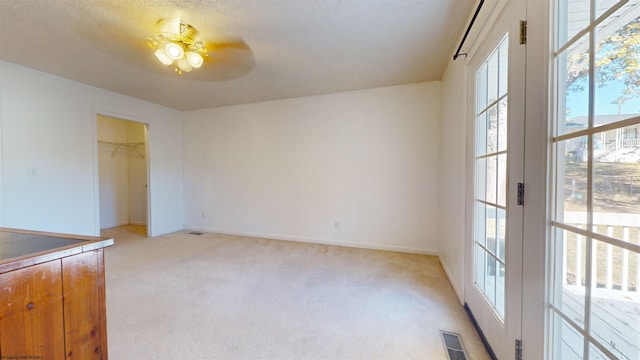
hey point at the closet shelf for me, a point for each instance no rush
(130, 146)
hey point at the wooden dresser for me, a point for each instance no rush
(52, 296)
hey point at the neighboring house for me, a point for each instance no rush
(617, 145)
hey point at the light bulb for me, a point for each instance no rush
(194, 59)
(183, 65)
(160, 54)
(174, 51)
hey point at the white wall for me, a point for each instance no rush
(453, 135)
(290, 169)
(49, 126)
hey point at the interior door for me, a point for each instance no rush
(495, 158)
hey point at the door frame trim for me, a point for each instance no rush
(536, 220)
(96, 172)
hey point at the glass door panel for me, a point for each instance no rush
(595, 244)
(491, 176)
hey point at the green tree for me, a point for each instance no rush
(617, 58)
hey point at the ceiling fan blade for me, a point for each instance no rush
(225, 61)
(128, 41)
(236, 43)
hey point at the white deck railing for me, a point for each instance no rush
(614, 223)
(630, 142)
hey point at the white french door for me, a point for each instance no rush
(495, 160)
(594, 246)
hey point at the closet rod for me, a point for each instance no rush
(133, 146)
(120, 143)
(466, 33)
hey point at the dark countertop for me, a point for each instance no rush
(14, 245)
(21, 248)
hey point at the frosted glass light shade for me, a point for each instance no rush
(194, 59)
(183, 65)
(162, 56)
(174, 51)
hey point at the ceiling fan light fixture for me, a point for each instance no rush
(162, 57)
(174, 51)
(183, 64)
(176, 43)
(194, 59)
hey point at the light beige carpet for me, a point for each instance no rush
(184, 296)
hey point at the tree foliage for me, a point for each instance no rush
(617, 58)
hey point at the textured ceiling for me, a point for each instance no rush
(299, 47)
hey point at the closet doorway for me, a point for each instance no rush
(123, 174)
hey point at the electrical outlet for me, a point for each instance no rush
(336, 224)
(202, 215)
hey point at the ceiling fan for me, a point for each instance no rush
(175, 48)
(177, 44)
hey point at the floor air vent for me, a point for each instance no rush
(195, 233)
(453, 345)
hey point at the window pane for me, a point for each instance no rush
(481, 89)
(573, 88)
(568, 343)
(490, 279)
(573, 16)
(571, 175)
(492, 78)
(480, 224)
(502, 231)
(504, 66)
(596, 354)
(616, 182)
(492, 177)
(603, 5)
(492, 129)
(480, 267)
(615, 318)
(491, 229)
(569, 274)
(481, 179)
(502, 180)
(617, 92)
(481, 134)
(502, 124)
(500, 295)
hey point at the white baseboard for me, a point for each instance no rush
(152, 234)
(137, 223)
(453, 282)
(401, 249)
